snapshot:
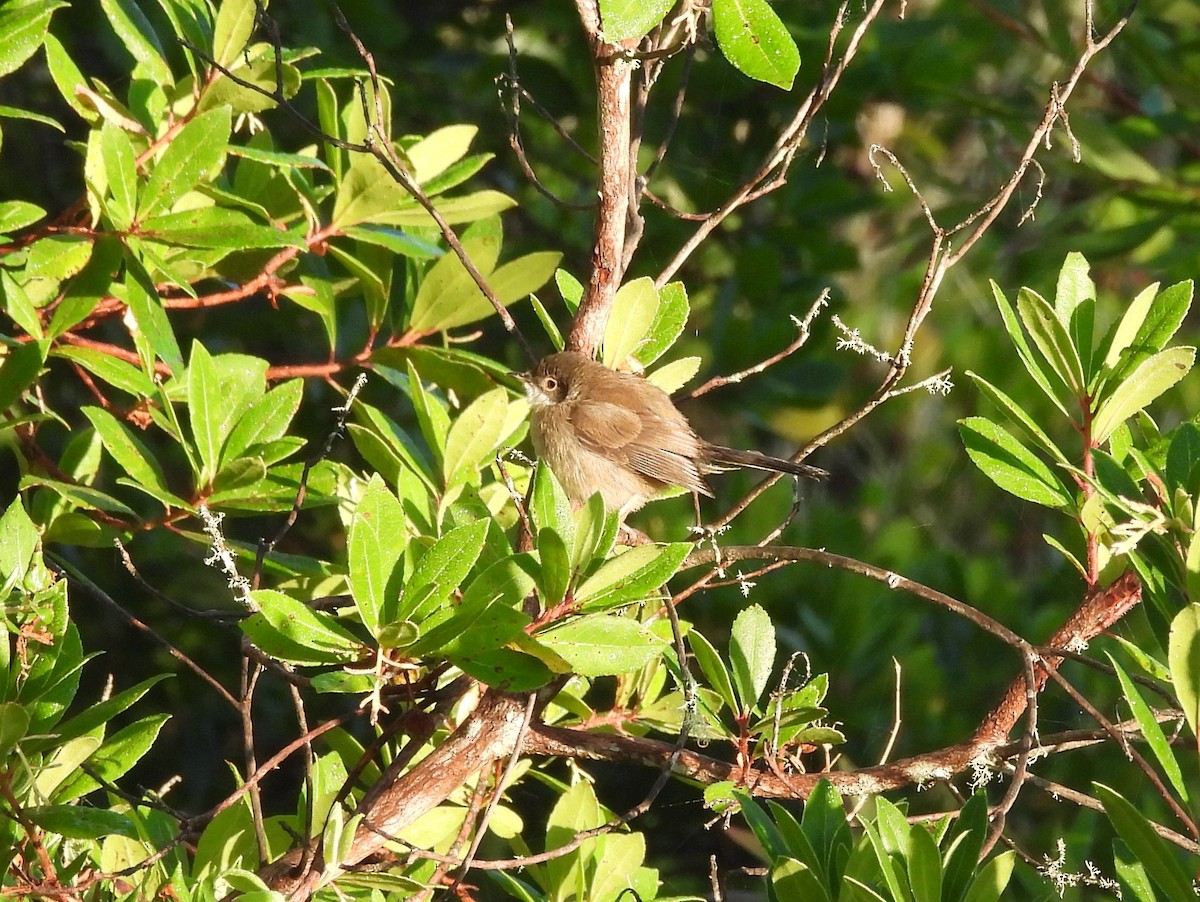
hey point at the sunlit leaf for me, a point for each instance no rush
(1147, 381)
(754, 39)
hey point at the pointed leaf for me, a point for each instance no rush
(378, 537)
(713, 668)
(1018, 415)
(474, 436)
(137, 34)
(754, 39)
(1074, 287)
(1147, 381)
(196, 152)
(625, 19)
(752, 655)
(1183, 657)
(602, 645)
(1149, 848)
(1013, 327)
(1051, 338)
(633, 311)
(1011, 465)
(992, 879)
(1152, 731)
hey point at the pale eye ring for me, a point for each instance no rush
(550, 383)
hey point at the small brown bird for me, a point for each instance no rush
(617, 434)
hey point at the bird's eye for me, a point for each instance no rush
(550, 383)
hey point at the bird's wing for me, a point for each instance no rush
(645, 443)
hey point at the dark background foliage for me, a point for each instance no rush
(952, 90)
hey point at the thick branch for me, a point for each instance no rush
(613, 80)
(489, 734)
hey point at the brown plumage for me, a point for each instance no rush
(617, 434)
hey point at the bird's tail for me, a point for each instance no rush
(723, 458)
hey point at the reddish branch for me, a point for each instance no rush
(489, 734)
(614, 70)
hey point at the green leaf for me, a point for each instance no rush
(555, 574)
(603, 645)
(622, 20)
(792, 879)
(1147, 381)
(129, 453)
(431, 414)
(1165, 317)
(395, 240)
(87, 289)
(1147, 846)
(265, 420)
(12, 112)
(501, 586)
(80, 822)
(196, 152)
(521, 277)
(632, 575)
(669, 321)
(474, 436)
(1132, 874)
(1011, 465)
(713, 668)
(446, 563)
(1183, 456)
(1131, 324)
(966, 838)
(232, 30)
(1074, 287)
(324, 638)
(1013, 327)
(454, 210)
(754, 39)
(992, 879)
(671, 377)
(14, 724)
(633, 311)
(549, 505)
(364, 192)
(66, 75)
(18, 544)
(438, 150)
(378, 536)
(204, 408)
(19, 305)
(924, 866)
(149, 318)
(114, 758)
(216, 227)
(137, 34)
(80, 496)
(1183, 658)
(897, 888)
(595, 534)
(1018, 415)
(19, 369)
(23, 27)
(751, 655)
(102, 712)
(120, 168)
(1152, 731)
(768, 835)
(17, 214)
(1051, 338)
(569, 288)
(447, 284)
